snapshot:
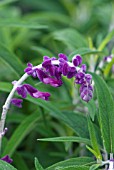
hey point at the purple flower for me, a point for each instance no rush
(30, 70)
(77, 60)
(86, 92)
(47, 79)
(17, 102)
(62, 56)
(25, 89)
(7, 159)
(108, 58)
(53, 82)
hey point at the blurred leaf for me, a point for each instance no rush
(11, 60)
(91, 108)
(6, 166)
(84, 51)
(72, 38)
(73, 168)
(106, 40)
(43, 51)
(108, 68)
(67, 139)
(19, 162)
(21, 24)
(22, 130)
(37, 165)
(93, 167)
(72, 162)
(5, 2)
(106, 112)
(93, 139)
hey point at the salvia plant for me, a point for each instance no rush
(56, 85)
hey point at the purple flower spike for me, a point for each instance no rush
(17, 102)
(77, 60)
(7, 159)
(63, 56)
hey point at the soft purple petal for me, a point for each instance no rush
(7, 159)
(41, 74)
(17, 102)
(63, 56)
(42, 95)
(53, 82)
(21, 90)
(77, 60)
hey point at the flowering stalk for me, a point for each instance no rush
(49, 72)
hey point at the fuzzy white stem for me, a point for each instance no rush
(7, 104)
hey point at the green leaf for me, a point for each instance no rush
(72, 162)
(93, 139)
(43, 51)
(70, 37)
(106, 112)
(22, 130)
(67, 139)
(83, 52)
(74, 168)
(93, 167)
(21, 24)
(108, 68)
(92, 151)
(91, 108)
(37, 165)
(6, 166)
(106, 40)
(5, 2)
(12, 60)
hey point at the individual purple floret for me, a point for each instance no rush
(30, 70)
(108, 58)
(77, 60)
(7, 159)
(86, 92)
(25, 89)
(17, 102)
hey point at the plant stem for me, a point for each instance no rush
(7, 105)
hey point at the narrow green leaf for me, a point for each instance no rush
(72, 162)
(92, 151)
(93, 139)
(21, 24)
(106, 40)
(83, 51)
(6, 166)
(70, 37)
(74, 168)
(11, 60)
(22, 130)
(106, 112)
(42, 51)
(108, 68)
(67, 139)
(93, 167)
(38, 165)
